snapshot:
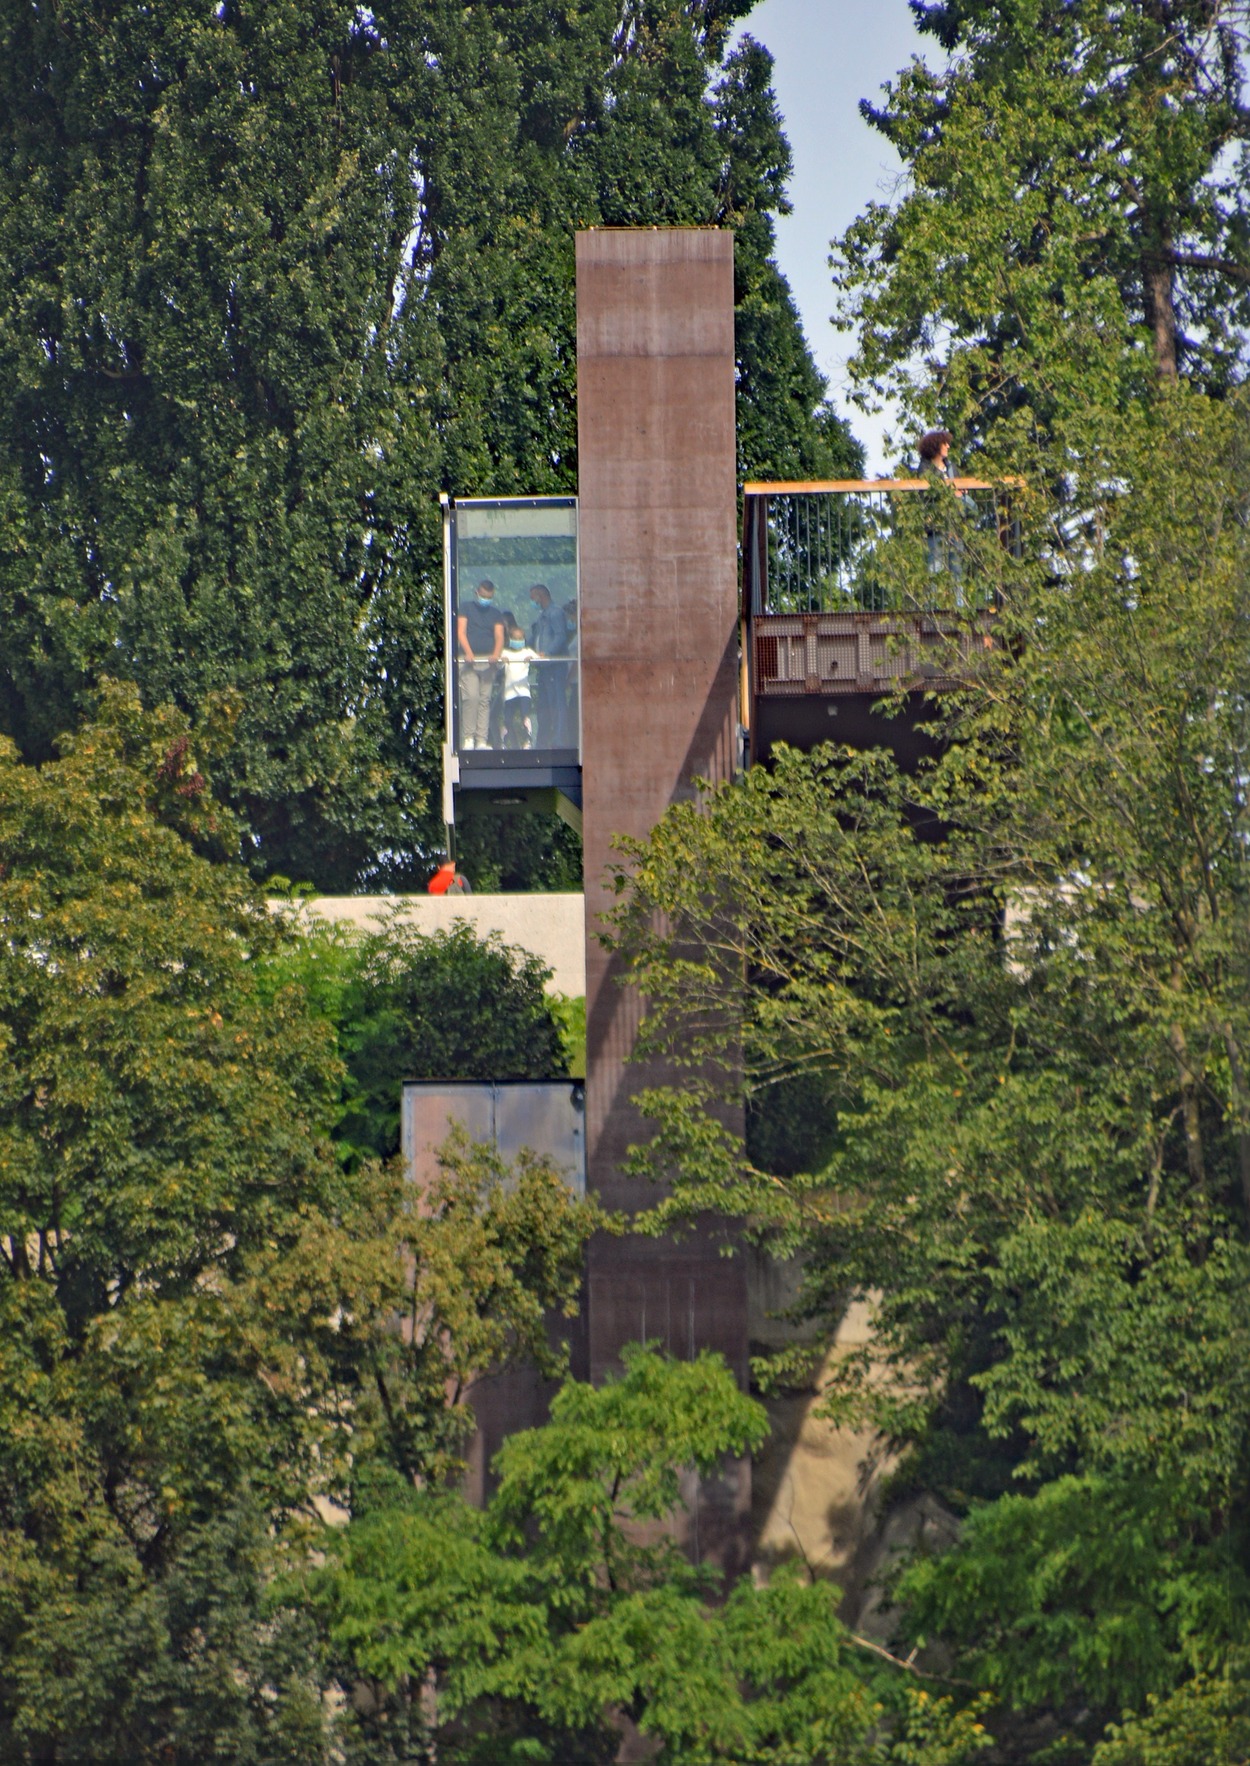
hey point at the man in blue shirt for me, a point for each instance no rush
(549, 636)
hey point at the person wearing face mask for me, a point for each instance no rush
(518, 729)
(549, 636)
(479, 645)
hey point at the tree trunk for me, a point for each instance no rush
(1190, 1114)
(1241, 1102)
(1159, 294)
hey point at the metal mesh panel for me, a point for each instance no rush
(876, 550)
(547, 1116)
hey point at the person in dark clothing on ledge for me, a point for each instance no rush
(945, 549)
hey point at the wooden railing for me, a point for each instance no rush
(835, 653)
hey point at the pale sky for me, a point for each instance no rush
(829, 54)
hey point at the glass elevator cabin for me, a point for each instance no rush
(511, 625)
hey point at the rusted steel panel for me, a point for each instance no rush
(656, 467)
(659, 660)
(798, 654)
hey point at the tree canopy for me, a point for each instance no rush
(1073, 225)
(536, 1628)
(1016, 1056)
(404, 1004)
(198, 1306)
(275, 275)
(234, 1374)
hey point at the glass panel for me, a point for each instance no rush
(548, 1117)
(514, 633)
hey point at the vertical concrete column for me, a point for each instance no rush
(658, 660)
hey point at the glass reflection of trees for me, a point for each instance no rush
(514, 562)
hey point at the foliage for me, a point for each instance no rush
(161, 1157)
(1206, 1719)
(502, 854)
(532, 1626)
(269, 280)
(1073, 222)
(1100, 1582)
(207, 483)
(785, 427)
(570, 1014)
(1028, 1042)
(197, 1305)
(477, 1270)
(405, 1004)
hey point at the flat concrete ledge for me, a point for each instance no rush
(550, 927)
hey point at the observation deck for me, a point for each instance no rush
(857, 589)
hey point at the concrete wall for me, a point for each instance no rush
(550, 927)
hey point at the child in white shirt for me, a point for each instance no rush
(518, 728)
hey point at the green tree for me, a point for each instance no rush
(203, 251)
(529, 852)
(404, 1004)
(197, 1305)
(1027, 1044)
(1074, 222)
(273, 277)
(524, 1633)
(652, 121)
(1207, 1719)
(786, 427)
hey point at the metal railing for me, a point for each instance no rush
(904, 545)
(863, 586)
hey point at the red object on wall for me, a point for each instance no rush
(447, 880)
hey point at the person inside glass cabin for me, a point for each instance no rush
(549, 636)
(518, 726)
(479, 643)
